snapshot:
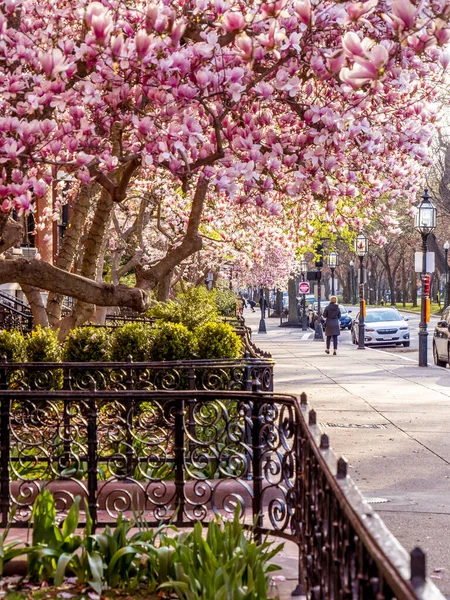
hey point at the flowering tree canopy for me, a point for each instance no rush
(314, 113)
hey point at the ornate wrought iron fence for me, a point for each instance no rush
(187, 455)
(226, 374)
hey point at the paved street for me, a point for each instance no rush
(390, 418)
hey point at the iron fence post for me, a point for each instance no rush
(129, 416)
(179, 455)
(5, 448)
(256, 467)
(92, 453)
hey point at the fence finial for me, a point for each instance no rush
(303, 399)
(312, 417)
(129, 358)
(324, 442)
(341, 472)
(418, 567)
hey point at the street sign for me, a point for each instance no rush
(303, 287)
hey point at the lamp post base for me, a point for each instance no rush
(262, 326)
(304, 323)
(318, 332)
(423, 345)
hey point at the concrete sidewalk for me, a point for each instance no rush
(390, 419)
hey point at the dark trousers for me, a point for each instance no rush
(335, 338)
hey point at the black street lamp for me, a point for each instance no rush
(318, 329)
(425, 223)
(333, 262)
(304, 270)
(361, 249)
(262, 304)
(446, 247)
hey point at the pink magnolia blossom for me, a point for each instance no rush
(233, 21)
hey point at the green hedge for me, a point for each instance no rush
(133, 339)
(164, 341)
(217, 340)
(87, 344)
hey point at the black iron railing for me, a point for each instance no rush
(188, 455)
(14, 314)
(226, 374)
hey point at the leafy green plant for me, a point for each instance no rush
(217, 340)
(225, 301)
(9, 550)
(50, 542)
(42, 345)
(229, 563)
(172, 341)
(12, 345)
(87, 344)
(193, 308)
(133, 339)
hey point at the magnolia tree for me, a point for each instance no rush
(312, 112)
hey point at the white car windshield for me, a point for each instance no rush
(382, 315)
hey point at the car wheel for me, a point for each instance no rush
(437, 361)
(406, 344)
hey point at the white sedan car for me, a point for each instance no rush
(382, 326)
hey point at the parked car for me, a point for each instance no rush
(383, 326)
(345, 320)
(441, 340)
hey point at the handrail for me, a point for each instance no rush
(13, 299)
(24, 313)
(185, 456)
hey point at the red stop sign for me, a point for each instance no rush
(303, 287)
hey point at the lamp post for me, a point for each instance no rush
(304, 270)
(446, 247)
(333, 262)
(361, 249)
(318, 329)
(352, 282)
(262, 303)
(425, 222)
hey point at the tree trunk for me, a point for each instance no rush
(70, 245)
(292, 291)
(36, 303)
(404, 282)
(414, 289)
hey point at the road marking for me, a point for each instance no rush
(392, 354)
(306, 336)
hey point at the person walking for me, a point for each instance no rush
(252, 304)
(332, 314)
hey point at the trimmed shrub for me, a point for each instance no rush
(87, 344)
(217, 340)
(42, 345)
(172, 341)
(133, 338)
(12, 345)
(193, 308)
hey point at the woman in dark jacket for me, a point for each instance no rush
(332, 314)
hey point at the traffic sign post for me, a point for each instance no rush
(303, 287)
